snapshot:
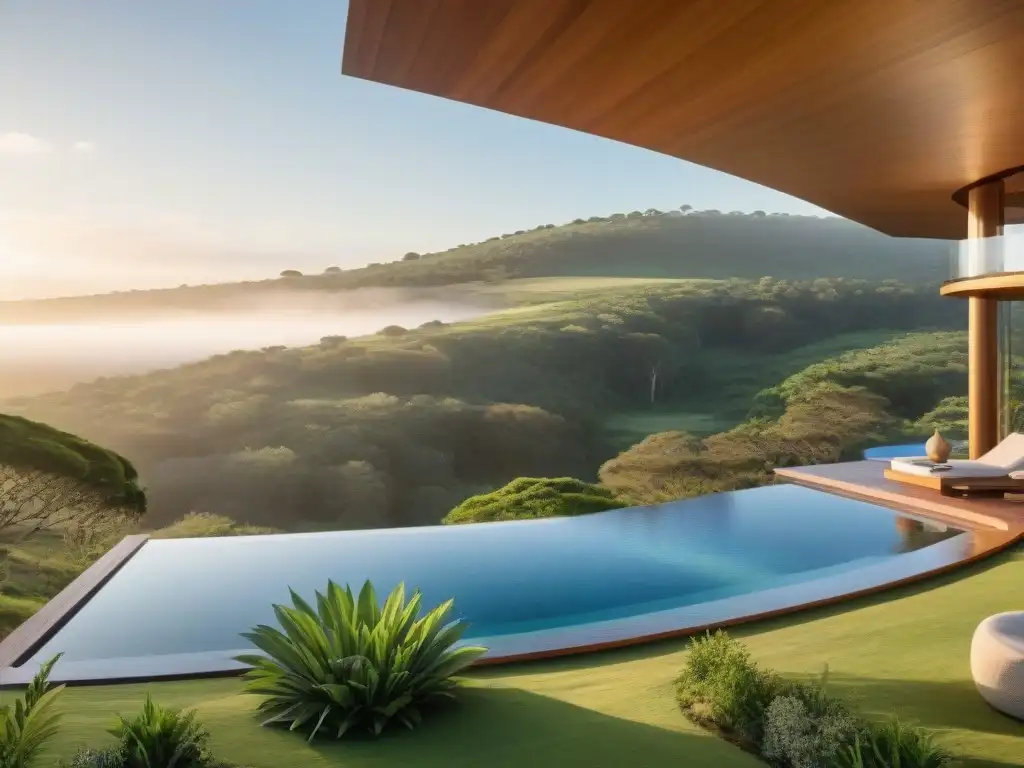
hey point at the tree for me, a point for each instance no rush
(685, 208)
(529, 498)
(50, 478)
(332, 270)
(758, 213)
(634, 215)
(38, 500)
(393, 330)
(411, 256)
(291, 273)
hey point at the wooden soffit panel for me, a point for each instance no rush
(877, 110)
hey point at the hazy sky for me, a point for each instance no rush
(158, 142)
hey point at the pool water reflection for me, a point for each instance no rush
(186, 596)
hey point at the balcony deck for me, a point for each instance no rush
(998, 522)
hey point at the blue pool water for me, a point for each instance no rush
(196, 595)
(886, 452)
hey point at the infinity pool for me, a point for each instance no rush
(181, 597)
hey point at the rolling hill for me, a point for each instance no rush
(701, 244)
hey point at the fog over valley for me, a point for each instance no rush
(42, 356)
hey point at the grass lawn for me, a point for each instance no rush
(31, 572)
(903, 653)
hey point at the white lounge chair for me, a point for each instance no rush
(1005, 460)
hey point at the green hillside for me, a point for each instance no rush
(657, 389)
(399, 427)
(701, 244)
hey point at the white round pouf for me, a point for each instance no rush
(997, 662)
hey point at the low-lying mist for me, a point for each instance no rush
(46, 356)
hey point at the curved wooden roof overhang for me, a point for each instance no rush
(877, 110)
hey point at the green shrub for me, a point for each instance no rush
(203, 524)
(91, 758)
(790, 724)
(31, 722)
(720, 685)
(806, 731)
(893, 745)
(352, 664)
(161, 737)
(529, 498)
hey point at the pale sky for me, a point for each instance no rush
(154, 143)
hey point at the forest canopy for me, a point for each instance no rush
(393, 430)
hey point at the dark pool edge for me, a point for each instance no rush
(38, 628)
(578, 650)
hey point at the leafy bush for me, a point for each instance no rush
(161, 737)
(529, 498)
(893, 745)
(204, 524)
(91, 758)
(790, 724)
(31, 722)
(720, 685)
(352, 664)
(799, 735)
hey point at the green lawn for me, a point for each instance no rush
(904, 653)
(31, 572)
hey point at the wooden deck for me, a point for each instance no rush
(864, 480)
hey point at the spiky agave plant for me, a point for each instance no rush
(353, 664)
(31, 722)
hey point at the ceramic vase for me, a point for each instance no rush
(937, 448)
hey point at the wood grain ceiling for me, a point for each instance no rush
(877, 110)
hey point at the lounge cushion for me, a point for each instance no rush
(920, 465)
(997, 662)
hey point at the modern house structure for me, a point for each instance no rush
(903, 115)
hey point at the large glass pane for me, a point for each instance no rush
(1004, 253)
(1006, 368)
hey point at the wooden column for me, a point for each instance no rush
(984, 219)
